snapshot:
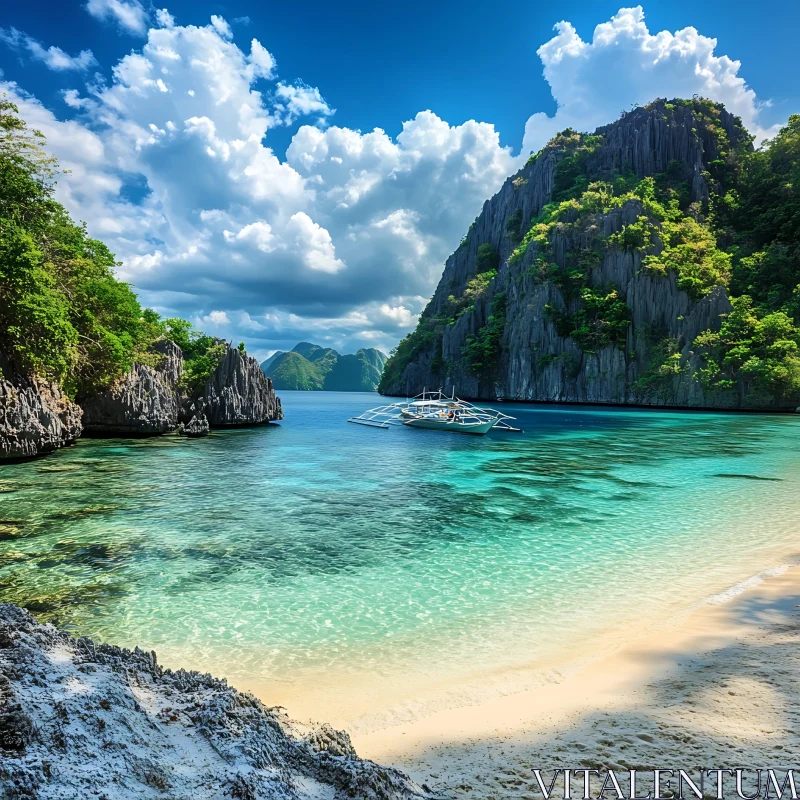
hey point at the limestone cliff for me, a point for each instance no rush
(238, 393)
(35, 417)
(144, 402)
(149, 401)
(653, 361)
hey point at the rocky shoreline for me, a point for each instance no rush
(78, 719)
(37, 418)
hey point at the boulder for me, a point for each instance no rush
(146, 731)
(141, 403)
(144, 402)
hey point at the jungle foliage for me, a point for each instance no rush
(63, 314)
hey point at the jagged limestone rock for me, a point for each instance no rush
(238, 393)
(171, 366)
(78, 719)
(36, 417)
(196, 427)
(142, 403)
(148, 401)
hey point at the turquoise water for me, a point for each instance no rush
(316, 559)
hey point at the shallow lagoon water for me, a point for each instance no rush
(316, 559)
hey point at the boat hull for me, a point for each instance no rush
(476, 429)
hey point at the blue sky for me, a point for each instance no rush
(241, 185)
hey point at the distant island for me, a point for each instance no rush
(311, 367)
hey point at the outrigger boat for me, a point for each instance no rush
(436, 411)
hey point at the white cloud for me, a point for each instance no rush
(262, 60)
(221, 27)
(73, 99)
(625, 64)
(248, 323)
(313, 242)
(397, 315)
(130, 15)
(164, 18)
(343, 240)
(53, 57)
(258, 234)
(300, 100)
(216, 318)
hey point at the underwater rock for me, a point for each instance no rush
(77, 718)
(36, 417)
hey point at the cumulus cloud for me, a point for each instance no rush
(164, 18)
(73, 99)
(216, 318)
(342, 240)
(300, 100)
(129, 15)
(53, 57)
(625, 64)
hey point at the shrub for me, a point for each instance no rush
(601, 320)
(763, 351)
(482, 350)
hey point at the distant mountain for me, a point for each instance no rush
(267, 361)
(310, 367)
(293, 371)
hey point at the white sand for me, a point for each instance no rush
(720, 688)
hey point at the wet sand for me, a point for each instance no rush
(720, 687)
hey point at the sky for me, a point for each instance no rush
(280, 172)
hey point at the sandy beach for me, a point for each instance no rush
(718, 688)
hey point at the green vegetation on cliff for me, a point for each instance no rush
(744, 237)
(602, 319)
(293, 371)
(430, 327)
(482, 350)
(63, 314)
(758, 219)
(201, 352)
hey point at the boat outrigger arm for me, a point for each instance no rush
(437, 411)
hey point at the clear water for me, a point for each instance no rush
(345, 570)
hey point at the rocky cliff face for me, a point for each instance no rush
(535, 362)
(85, 720)
(149, 401)
(144, 402)
(35, 418)
(239, 393)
